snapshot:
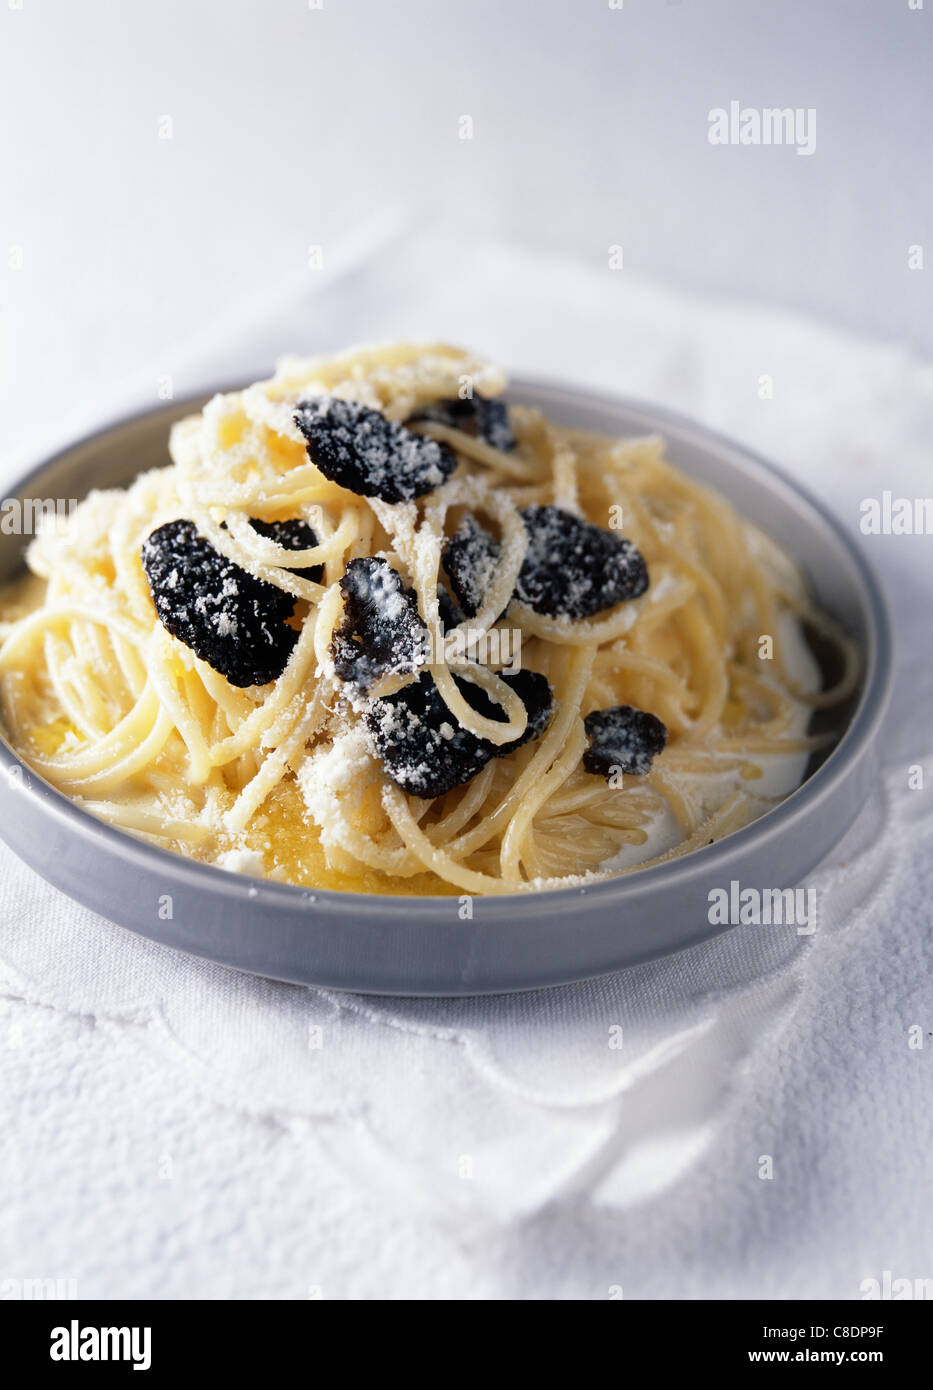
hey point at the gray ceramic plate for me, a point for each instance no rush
(421, 945)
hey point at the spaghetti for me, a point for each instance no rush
(283, 779)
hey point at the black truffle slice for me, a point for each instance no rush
(292, 535)
(573, 569)
(470, 558)
(230, 619)
(535, 694)
(623, 739)
(425, 752)
(487, 417)
(450, 612)
(382, 632)
(492, 423)
(361, 450)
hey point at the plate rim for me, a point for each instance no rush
(523, 906)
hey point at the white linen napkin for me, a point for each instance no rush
(267, 1139)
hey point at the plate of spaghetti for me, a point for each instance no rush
(386, 674)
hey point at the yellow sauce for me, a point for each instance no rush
(291, 850)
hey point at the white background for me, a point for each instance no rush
(295, 127)
(164, 1128)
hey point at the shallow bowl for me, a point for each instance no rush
(422, 946)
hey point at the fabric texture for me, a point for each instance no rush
(748, 1118)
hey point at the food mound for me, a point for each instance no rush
(375, 628)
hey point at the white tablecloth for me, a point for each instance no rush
(172, 1128)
